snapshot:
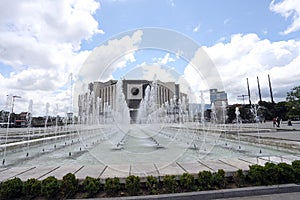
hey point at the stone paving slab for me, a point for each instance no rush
(215, 165)
(13, 172)
(194, 168)
(276, 159)
(254, 160)
(169, 169)
(120, 171)
(292, 157)
(61, 171)
(239, 164)
(36, 173)
(3, 169)
(144, 170)
(90, 170)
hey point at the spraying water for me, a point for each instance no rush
(46, 121)
(8, 106)
(237, 113)
(29, 119)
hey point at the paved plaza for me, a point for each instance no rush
(284, 134)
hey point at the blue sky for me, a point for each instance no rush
(43, 42)
(204, 21)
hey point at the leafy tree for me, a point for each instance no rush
(281, 110)
(293, 101)
(245, 113)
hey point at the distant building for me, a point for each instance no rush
(134, 92)
(219, 102)
(22, 119)
(217, 96)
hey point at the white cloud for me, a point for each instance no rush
(196, 28)
(172, 3)
(165, 60)
(123, 61)
(249, 56)
(41, 42)
(156, 71)
(107, 58)
(226, 21)
(288, 8)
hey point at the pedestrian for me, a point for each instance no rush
(274, 122)
(278, 122)
(289, 122)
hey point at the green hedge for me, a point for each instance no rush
(70, 187)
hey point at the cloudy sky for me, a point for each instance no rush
(44, 45)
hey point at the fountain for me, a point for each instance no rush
(9, 105)
(162, 136)
(29, 119)
(45, 129)
(254, 109)
(237, 113)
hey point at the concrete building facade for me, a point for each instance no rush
(134, 92)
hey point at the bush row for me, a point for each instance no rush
(69, 186)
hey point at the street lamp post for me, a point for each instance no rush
(13, 102)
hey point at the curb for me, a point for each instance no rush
(219, 194)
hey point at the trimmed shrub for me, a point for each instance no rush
(132, 185)
(239, 178)
(69, 185)
(256, 175)
(32, 188)
(187, 182)
(286, 173)
(50, 187)
(91, 186)
(11, 188)
(205, 180)
(112, 186)
(296, 167)
(152, 185)
(271, 173)
(170, 184)
(218, 179)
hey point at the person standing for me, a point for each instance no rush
(278, 122)
(274, 122)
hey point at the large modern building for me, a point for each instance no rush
(134, 92)
(219, 100)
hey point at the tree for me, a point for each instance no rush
(293, 102)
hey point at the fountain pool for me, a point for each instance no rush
(108, 145)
